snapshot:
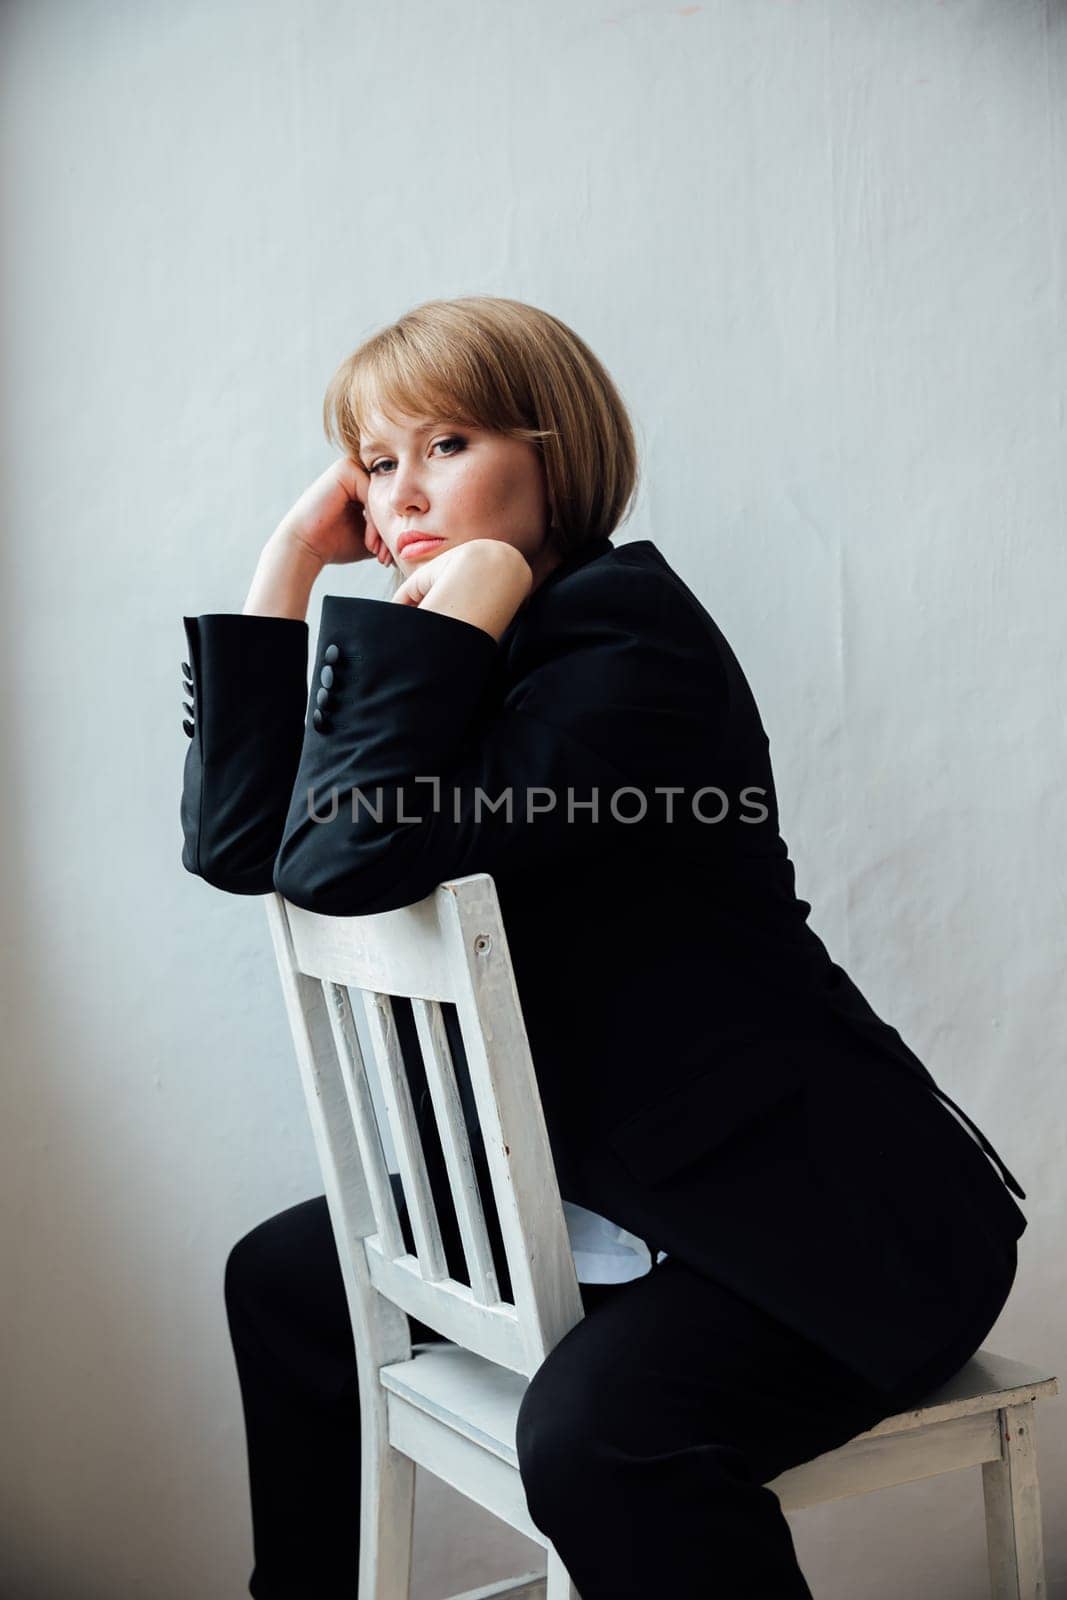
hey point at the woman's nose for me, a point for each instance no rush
(406, 491)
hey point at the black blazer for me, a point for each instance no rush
(711, 1079)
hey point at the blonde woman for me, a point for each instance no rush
(784, 1229)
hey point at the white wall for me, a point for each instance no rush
(821, 247)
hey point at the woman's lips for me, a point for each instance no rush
(419, 547)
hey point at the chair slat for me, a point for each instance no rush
(455, 1144)
(364, 1118)
(512, 1119)
(396, 1092)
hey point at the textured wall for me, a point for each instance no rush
(821, 246)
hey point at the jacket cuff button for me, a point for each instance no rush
(188, 726)
(319, 720)
(331, 654)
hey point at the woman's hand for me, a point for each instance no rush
(328, 524)
(484, 581)
(330, 519)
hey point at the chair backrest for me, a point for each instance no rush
(449, 948)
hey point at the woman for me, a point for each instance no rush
(827, 1240)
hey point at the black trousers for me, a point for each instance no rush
(645, 1439)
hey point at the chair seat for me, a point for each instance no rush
(957, 1425)
(471, 1395)
(481, 1400)
(985, 1383)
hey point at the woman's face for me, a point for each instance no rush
(456, 484)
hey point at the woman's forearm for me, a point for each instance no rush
(283, 580)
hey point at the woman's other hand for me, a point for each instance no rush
(330, 519)
(484, 582)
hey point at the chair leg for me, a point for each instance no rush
(386, 1525)
(558, 1585)
(1013, 1510)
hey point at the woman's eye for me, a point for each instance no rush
(452, 438)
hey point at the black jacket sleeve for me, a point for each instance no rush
(421, 760)
(246, 679)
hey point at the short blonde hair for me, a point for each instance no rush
(485, 362)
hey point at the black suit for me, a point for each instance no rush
(711, 1079)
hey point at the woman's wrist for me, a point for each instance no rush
(284, 578)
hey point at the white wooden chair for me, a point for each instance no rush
(452, 1407)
